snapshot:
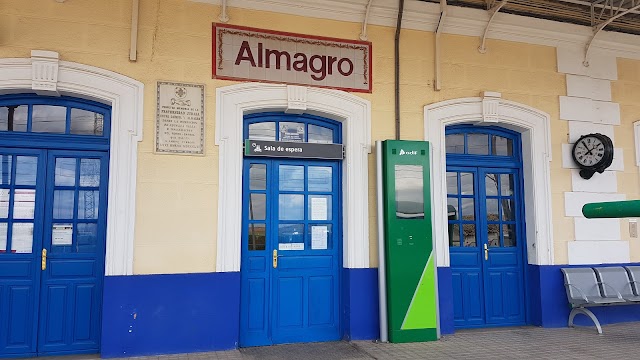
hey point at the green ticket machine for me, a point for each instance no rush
(411, 282)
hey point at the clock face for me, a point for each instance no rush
(589, 151)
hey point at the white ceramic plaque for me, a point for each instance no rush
(180, 118)
(242, 53)
(291, 246)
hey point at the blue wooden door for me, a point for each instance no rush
(52, 232)
(291, 252)
(485, 226)
(22, 199)
(74, 237)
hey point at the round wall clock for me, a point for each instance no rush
(592, 153)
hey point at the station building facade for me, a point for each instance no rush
(109, 245)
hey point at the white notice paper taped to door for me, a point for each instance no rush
(319, 208)
(62, 234)
(319, 237)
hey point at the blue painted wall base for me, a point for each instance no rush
(360, 297)
(167, 314)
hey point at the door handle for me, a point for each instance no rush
(486, 252)
(44, 259)
(275, 258)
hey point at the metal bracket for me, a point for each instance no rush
(363, 33)
(598, 28)
(492, 11)
(443, 14)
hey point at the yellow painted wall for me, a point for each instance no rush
(175, 44)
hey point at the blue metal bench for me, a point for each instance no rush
(600, 286)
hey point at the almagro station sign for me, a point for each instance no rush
(242, 53)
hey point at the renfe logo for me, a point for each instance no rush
(242, 53)
(413, 152)
(320, 65)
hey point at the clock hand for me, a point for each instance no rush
(587, 147)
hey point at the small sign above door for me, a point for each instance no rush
(293, 150)
(242, 53)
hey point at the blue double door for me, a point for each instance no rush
(484, 208)
(291, 252)
(52, 238)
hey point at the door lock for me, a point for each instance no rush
(486, 252)
(275, 258)
(44, 259)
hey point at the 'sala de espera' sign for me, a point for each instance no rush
(242, 53)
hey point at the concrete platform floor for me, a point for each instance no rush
(620, 341)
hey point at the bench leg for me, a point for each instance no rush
(586, 312)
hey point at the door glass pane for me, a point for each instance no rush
(478, 144)
(22, 238)
(257, 177)
(263, 131)
(291, 132)
(24, 203)
(4, 203)
(509, 234)
(291, 178)
(491, 184)
(506, 184)
(469, 233)
(320, 236)
(63, 204)
(455, 143)
(85, 122)
(90, 172)
(319, 207)
(86, 237)
(468, 210)
(257, 207)
(466, 183)
(291, 237)
(453, 213)
(291, 207)
(49, 119)
(26, 170)
(61, 237)
(3, 237)
(502, 146)
(409, 191)
(320, 178)
(492, 210)
(13, 118)
(257, 236)
(5, 169)
(65, 173)
(508, 210)
(454, 235)
(493, 235)
(452, 183)
(320, 134)
(88, 203)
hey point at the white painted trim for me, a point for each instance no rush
(421, 15)
(233, 102)
(636, 136)
(536, 150)
(125, 95)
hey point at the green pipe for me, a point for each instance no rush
(612, 209)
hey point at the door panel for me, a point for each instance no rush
(297, 262)
(74, 234)
(21, 206)
(485, 246)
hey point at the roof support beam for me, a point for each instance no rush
(492, 11)
(600, 27)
